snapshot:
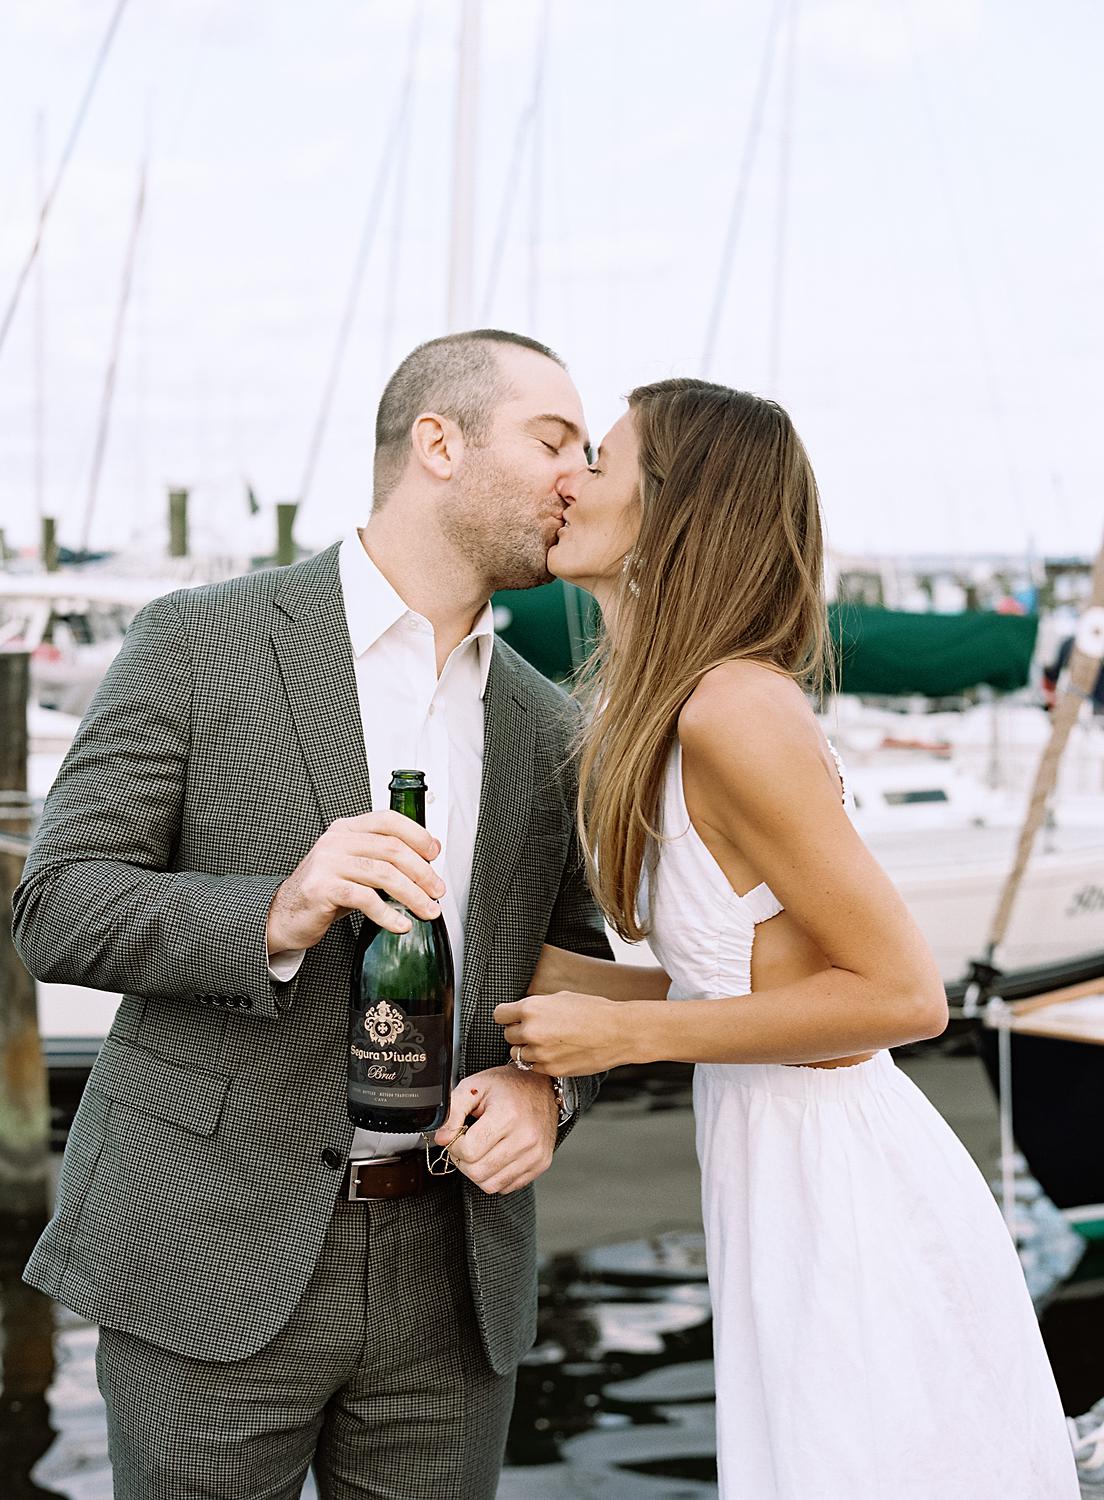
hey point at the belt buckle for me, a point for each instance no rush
(354, 1175)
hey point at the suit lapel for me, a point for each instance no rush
(505, 808)
(312, 647)
(316, 664)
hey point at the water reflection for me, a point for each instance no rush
(1073, 1331)
(26, 1432)
(614, 1402)
(621, 1380)
(77, 1464)
(620, 1384)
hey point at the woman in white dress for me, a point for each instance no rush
(874, 1339)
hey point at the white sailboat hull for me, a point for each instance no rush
(948, 857)
(1059, 913)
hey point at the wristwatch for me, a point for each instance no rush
(566, 1100)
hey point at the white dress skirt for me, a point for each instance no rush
(874, 1338)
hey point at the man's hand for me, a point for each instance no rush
(511, 1142)
(345, 871)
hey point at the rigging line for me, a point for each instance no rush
(506, 211)
(1004, 284)
(965, 266)
(113, 365)
(391, 299)
(536, 154)
(782, 220)
(48, 201)
(526, 125)
(565, 244)
(751, 142)
(187, 95)
(367, 239)
(460, 282)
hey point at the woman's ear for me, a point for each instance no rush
(437, 443)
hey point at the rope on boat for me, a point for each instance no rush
(1088, 649)
(998, 1015)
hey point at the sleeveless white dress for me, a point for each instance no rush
(874, 1338)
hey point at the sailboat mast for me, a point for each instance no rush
(462, 244)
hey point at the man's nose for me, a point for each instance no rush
(567, 486)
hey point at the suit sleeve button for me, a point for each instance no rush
(332, 1158)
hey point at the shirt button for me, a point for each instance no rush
(332, 1158)
(431, 797)
(432, 709)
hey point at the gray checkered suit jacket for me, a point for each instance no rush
(195, 1191)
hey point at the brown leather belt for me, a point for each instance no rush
(388, 1177)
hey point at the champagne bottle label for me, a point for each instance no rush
(395, 1060)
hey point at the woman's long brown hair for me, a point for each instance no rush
(728, 565)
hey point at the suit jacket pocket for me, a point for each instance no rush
(160, 1088)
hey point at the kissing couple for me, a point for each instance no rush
(276, 1289)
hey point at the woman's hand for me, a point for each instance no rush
(568, 1035)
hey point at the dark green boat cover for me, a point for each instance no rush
(881, 652)
(552, 627)
(889, 651)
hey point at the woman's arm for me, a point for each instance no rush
(771, 800)
(557, 969)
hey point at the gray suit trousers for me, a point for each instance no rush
(379, 1379)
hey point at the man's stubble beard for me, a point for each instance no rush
(486, 525)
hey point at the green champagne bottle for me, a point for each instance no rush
(402, 1010)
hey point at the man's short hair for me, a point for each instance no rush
(457, 376)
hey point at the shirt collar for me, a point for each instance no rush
(372, 606)
(483, 634)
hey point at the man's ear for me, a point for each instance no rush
(437, 443)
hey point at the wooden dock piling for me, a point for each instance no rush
(48, 545)
(178, 523)
(285, 527)
(24, 1106)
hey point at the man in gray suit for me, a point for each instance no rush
(274, 1288)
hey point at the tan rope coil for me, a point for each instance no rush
(1084, 666)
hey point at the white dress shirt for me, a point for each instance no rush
(414, 719)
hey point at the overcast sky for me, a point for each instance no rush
(938, 294)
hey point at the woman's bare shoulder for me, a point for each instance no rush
(751, 733)
(758, 701)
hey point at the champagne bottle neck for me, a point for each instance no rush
(410, 801)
